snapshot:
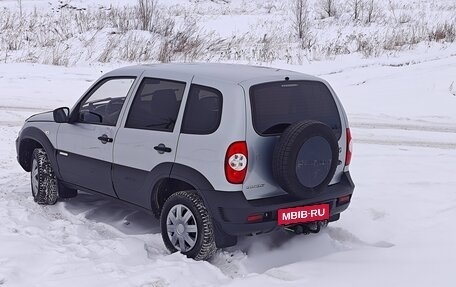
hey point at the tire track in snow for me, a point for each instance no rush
(347, 238)
(74, 235)
(408, 127)
(11, 123)
(18, 108)
(55, 238)
(445, 128)
(391, 64)
(440, 145)
(9, 110)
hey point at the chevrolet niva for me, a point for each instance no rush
(215, 151)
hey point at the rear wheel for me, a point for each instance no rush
(43, 180)
(186, 226)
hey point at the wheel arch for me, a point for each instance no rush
(31, 138)
(181, 177)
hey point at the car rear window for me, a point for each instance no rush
(276, 105)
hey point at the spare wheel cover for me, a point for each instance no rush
(305, 158)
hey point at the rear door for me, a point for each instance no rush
(85, 145)
(145, 145)
(274, 105)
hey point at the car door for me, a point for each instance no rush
(85, 144)
(146, 143)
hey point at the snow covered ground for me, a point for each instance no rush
(399, 230)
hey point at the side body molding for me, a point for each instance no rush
(138, 186)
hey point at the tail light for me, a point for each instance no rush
(254, 218)
(348, 155)
(343, 200)
(236, 162)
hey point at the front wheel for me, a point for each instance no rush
(186, 226)
(42, 178)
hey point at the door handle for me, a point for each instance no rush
(161, 148)
(105, 139)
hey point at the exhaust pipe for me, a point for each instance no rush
(307, 228)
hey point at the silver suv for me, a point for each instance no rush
(215, 151)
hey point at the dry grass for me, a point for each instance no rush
(147, 32)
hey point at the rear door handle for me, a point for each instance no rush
(161, 148)
(105, 139)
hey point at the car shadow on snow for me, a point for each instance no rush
(124, 217)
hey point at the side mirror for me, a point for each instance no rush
(61, 115)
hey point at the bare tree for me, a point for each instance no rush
(146, 12)
(357, 7)
(371, 11)
(301, 23)
(328, 8)
(301, 18)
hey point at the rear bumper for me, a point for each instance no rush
(230, 210)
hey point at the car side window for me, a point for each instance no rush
(103, 105)
(156, 105)
(203, 111)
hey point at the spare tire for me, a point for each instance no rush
(305, 158)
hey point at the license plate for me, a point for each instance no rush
(303, 214)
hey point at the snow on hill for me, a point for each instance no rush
(69, 32)
(399, 229)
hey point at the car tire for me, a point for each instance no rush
(43, 181)
(187, 227)
(305, 158)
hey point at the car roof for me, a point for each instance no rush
(235, 73)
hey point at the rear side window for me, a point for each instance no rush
(156, 105)
(203, 111)
(276, 105)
